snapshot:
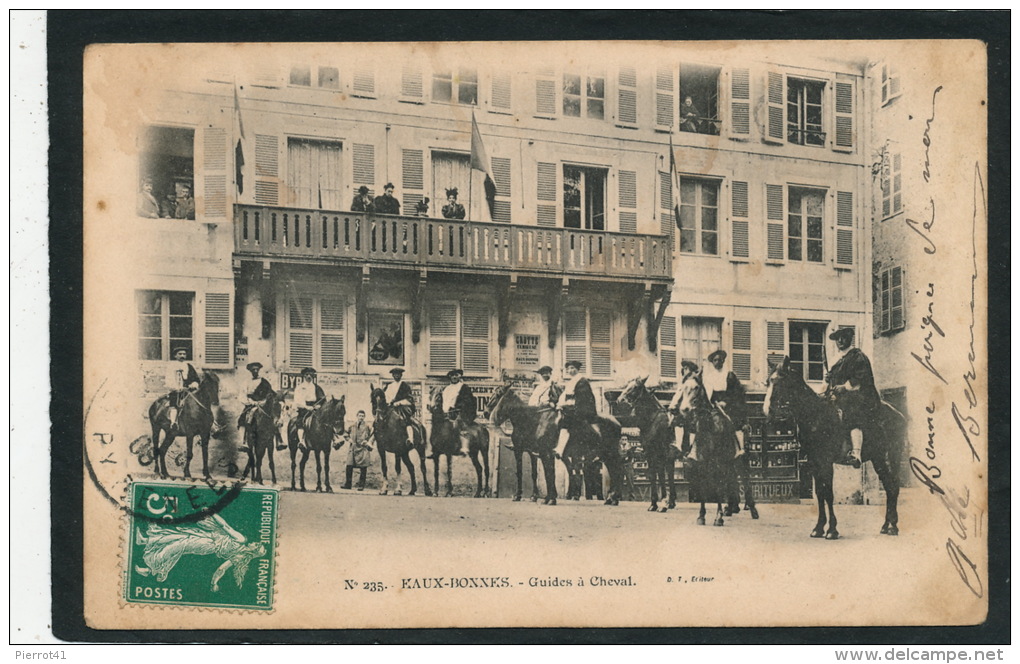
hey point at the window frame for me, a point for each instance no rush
(583, 97)
(340, 187)
(885, 296)
(890, 76)
(315, 72)
(803, 238)
(455, 82)
(698, 230)
(891, 185)
(589, 343)
(716, 121)
(802, 107)
(459, 338)
(316, 330)
(805, 327)
(166, 341)
(586, 219)
(705, 345)
(147, 170)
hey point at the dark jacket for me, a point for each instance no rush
(360, 204)
(582, 405)
(735, 398)
(262, 391)
(858, 406)
(455, 211)
(465, 403)
(404, 392)
(386, 205)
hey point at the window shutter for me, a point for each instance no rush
(214, 173)
(844, 229)
(897, 183)
(501, 208)
(878, 304)
(267, 169)
(775, 100)
(546, 208)
(844, 116)
(665, 98)
(443, 337)
(667, 224)
(775, 341)
(628, 201)
(896, 305)
(299, 332)
(626, 97)
(413, 179)
(411, 87)
(363, 81)
(667, 347)
(742, 349)
(740, 102)
(739, 225)
(475, 338)
(218, 350)
(364, 165)
(575, 337)
(331, 334)
(546, 93)
(775, 222)
(601, 344)
(502, 88)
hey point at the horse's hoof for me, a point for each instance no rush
(727, 512)
(576, 498)
(478, 494)
(653, 508)
(885, 529)
(893, 530)
(671, 505)
(663, 510)
(329, 489)
(817, 532)
(384, 492)
(398, 492)
(701, 520)
(832, 535)
(718, 522)
(428, 493)
(412, 493)
(551, 501)
(754, 512)
(534, 499)
(517, 499)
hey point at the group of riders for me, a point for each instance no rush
(850, 385)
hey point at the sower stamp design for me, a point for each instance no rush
(184, 540)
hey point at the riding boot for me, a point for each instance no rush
(361, 479)
(301, 439)
(464, 442)
(854, 457)
(678, 440)
(740, 442)
(693, 454)
(172, 414)
(280, 445)
(561, 444)
(349, 474)
(241, 432)
(410, 435)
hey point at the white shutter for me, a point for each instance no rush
(442, 337)
(502, 89)
(364, 165)
(667, 224)
(896, 296)
(213, 203)
(775, 101)
(300, 332)
(739, 224)
(267, 169)
(474, 328)
(627, 181)
(665, 97)
(413, 179)
(775, 341)
(844, 116)
(626, 97)
(363, 81)
(844, 229)
(218, 349)
(547, 180)
(740, 102)
(575, 337)
(331, 334)
(546, 93)
(411, 86)
(667, 347)
(501, 170)
(742, 349)
(775, 222)
(601, 344)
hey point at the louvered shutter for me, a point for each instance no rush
(363, 81)
(775, 101)
(740, 102)
(546, 93)
(667, 225)
(300, 332)
(213, 187)
(442, 337)
(502, 89)
(878, 303)
(665, 98)
(413, 179)
(331, 334)
(844, 229)
(601, 344)
(844, 116)
(547, 180)
(667, 347)
(267, 169)
(364, 165)
(742, 349)
(501, 170)
(739, 224)
(628, 201)
(896, 294)
(218, 351)
(411, 86)
(575, 337)
(474, 345)
(626, 97)
(775, 341)
(775, 222)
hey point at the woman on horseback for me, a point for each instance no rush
(308, 398)
(688, 383)
(578, 415)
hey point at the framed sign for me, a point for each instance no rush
(385, 338)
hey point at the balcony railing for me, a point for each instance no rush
(357, 237)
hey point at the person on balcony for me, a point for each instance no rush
(421, 208)
(386, 204)
(453, 209)
(147, 205)
(690, 117)
(185, 204)
(362, 202)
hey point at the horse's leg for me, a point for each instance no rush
(272, 465)
(436, 460)
(819, 481)
(159, 450)
(293, 468)
(203, 441)
(188, 442)
(614, 465)
(718, 514)
(304, 460)
(449, 475)
(549, 469)
(478, 472)
(385, 484)
(519, 459)
(410, 471)
(533, 458)
(653, 488)
(259, 452)
(671, 479)
(890, 482)
(424, 470)
(399, 490)
(701, 515)
(484, 449)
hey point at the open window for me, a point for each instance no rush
(584, 197)
(699, 99)
(167, 173)
(804, 124)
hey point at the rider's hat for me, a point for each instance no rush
(397, 371)
(252, 366)
(544, 370)
(846, 333)
(307, 371)
(454, 372)
(687, 364)
(174, 352)
(362, 190)
(573, 363)
(719, 353)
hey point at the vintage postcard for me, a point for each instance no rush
(535, 334)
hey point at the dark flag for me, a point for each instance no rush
(674, 180)
(239, 149)
(480, 162)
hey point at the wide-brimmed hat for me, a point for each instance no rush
(396, 370)
(308, 371)
(362, 189)
(573, 363)
(687, 364)
(388, 185)
(252, 366)
(843, 333)
(719, 353)
(454, 372)
(544, 370)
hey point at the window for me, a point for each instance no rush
(699, 99)
(804, 224)
(167, 172)
(457, 86)
(584, 95)
(890, 83)
(316, 333)
(892, 185)
(326, 77)
(584, 197)
(459, 336)
(449, 170)
(699, 216)
(807, 349)
(667, 348)
(587, 338)
(313, 174)
(804, 112)
(701, 336)
(165, 322)
(889, 300)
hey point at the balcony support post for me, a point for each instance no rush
(418, 305)
(360, 305)
(506, 295)
(267, 299)
(640, 298)
(655, 320)
(556, 298)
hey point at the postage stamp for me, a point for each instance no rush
(188, 547)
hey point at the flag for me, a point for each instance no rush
(480, 162)
(239, 149)
(674, 182)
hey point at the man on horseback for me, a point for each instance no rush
(308, 397)
(546, 392)
(851, 386)
(578, 415)
(457, 402)
(723, 389)
(688, 383)
(258, 392)
(399, 397)
(181, 378)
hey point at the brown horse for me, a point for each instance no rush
(446, 434)
(598, 443)
(821, 434)
(656, 441)
(391, 436)
(534, 434)
(260, 436)
(715, 445)
(325, 425)
(195, 417)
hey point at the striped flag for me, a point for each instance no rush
(239, 149)
(480, 162)
(674, 181)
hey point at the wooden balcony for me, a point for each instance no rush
(356, 238)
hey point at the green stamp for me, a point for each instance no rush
(201, 545)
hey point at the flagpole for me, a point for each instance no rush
(471, 172)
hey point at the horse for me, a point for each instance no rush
(260, 437)
(715, 445)
(195, 417)
(391, 436)
(602, 443)
(447, 430)
(535, 433)
(325, 424)
(656, 440)
(821, 434)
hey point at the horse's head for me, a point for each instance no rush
(633, 391)
(495, 411)
(333, 413)
(209, 388)
(378, 399)
(782, 388)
